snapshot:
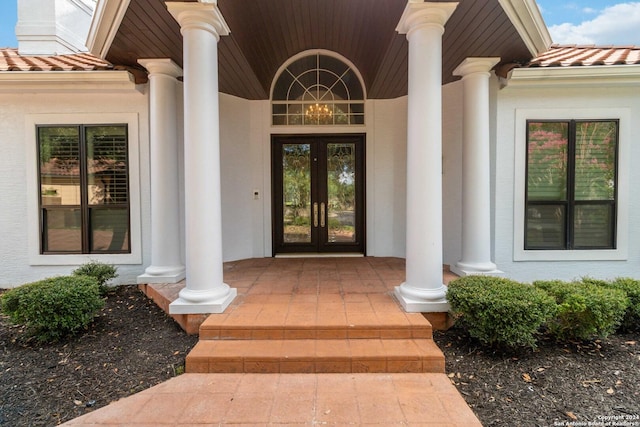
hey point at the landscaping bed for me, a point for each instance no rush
(133, 345)
(558, 384)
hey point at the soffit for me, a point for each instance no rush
(265, 33)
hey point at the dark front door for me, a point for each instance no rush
(318, 193)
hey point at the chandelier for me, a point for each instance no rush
(319, 114)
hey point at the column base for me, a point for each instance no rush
(414, 300)
(463, 269)
(201, 302)
(154, 274)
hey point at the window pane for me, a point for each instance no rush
(546, 227)
(109, 230)
(59, 150)
(107, 165)
(318, 114)
(547, 161)
(62, 230)
(341, 192)
(296, 180)
(595, 160)
(592, 226)
(315, 83)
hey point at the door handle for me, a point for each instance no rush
(322, 214)
(315, 215)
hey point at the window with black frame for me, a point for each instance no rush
(571, 185)
(84, 189)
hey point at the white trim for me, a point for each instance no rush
(624, 148)
(311, 52)
(33, 228)
(316, 129)
(526, 17)
(578, 76)
(106, 21)
(67, 81)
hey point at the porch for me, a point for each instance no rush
(311, 315)
(289, 285)
(307, 341)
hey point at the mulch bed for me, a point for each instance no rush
(558, 384)
(133, 345)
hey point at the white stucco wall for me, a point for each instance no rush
(387, 177)
(236, 178)
(53, 27)
(562, 101)
(246, 169)
(74, 106)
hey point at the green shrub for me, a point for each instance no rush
(100, 271)
(631, 287)
(53, 308)
(586, 309)
(500, 311)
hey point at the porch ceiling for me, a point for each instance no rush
(265, 33)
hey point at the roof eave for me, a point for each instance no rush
(527, 19)
(68, 81)
(582, 76)
(104, 25)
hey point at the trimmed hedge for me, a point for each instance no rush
(54, 308)
(499, 311)
(631, 287)
(100, 271)
(586, 309)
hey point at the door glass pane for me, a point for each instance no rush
(107, 165)
(109, 230)
(593, 226)
(595, 160)
(547, 161)
(59, 165)
(296, 182)
(341, 192)
(546, 227)
(62, 230)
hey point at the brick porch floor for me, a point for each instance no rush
(358, 289)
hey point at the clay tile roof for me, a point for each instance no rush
(11, 60)
(576, 55)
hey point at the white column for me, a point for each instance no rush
(423, 289)
(205, 292)
(476, 178)
(166, 265)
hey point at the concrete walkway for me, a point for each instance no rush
(291, 400)
(295, 399)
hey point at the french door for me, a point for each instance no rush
(318, 193)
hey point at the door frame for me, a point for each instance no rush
(278, 247)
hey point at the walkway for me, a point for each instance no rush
(356, 288)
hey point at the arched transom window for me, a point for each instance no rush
(318, 90)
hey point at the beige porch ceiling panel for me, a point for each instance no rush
(265, 33)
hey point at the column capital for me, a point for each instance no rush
(164, 66)
(203, 16)
(419, 13)
(473, 65)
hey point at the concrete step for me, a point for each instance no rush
(315, 356)
(316, 325)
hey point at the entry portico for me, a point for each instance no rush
(202, 24)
